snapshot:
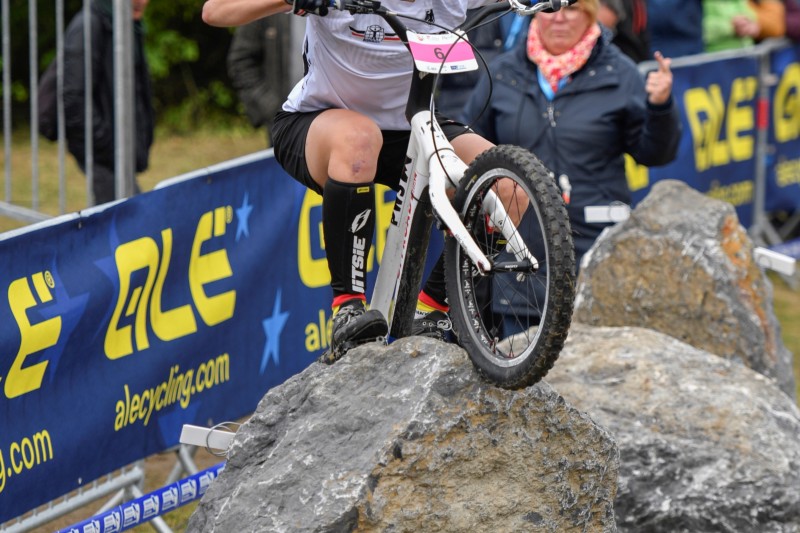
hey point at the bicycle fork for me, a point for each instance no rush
(445, 165)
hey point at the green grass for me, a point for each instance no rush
(170, 156)
(175, 155)
(787, 309)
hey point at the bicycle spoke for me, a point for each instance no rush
(511, 198)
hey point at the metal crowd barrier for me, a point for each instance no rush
(147, 507)
(123, 104)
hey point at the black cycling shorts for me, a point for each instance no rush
(289, 132)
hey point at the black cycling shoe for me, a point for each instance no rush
(354, 325)
(435, 325)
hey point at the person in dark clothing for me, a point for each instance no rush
(632, 35)
(579, 104)
(793, 19)
(488, 40)
(676, 27)
(103, 122)
(258, 66)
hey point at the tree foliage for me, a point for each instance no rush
(186, 58)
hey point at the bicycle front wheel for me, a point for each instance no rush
(512, 321)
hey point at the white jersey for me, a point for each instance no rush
(357, 62)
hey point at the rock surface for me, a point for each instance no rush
(683, 265)
(408, 438)
(705, 444)
(681, 420)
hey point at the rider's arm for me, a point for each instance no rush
(238, 12)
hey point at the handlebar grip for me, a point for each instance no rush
(556, 5)
(542, 6)
(357, 6)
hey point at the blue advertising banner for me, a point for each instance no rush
(181, 305)
(783, 175)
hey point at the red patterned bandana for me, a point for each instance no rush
(555, 68)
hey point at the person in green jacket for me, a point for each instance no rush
(728, 24)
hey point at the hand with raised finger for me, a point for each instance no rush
(659, 82)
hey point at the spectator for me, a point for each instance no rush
(103, 122)
(675, 26)
(770, 17)
(627, 20)
(792, 19)
(258, 66)
(728, 24)
(597, 108)
(632, 36)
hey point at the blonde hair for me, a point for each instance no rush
(591, 7)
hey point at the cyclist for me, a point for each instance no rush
(343, 128)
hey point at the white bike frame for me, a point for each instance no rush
(433, 165)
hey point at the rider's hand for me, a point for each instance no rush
(309, 7)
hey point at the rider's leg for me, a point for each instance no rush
(341, 152)
(468, 147)
(431, 315)
(432, 304)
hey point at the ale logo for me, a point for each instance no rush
(142, 305)
(24, 295)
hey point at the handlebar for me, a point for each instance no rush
(547, 6)
(422, 87)
(374, 6)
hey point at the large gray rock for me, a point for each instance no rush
(705, 444)
(683, 265)
(407, 438)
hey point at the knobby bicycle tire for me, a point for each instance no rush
(535, 304)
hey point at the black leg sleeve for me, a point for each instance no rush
(348, 223)
(435, 286)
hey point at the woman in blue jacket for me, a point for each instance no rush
(580, 105)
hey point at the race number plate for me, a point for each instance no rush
(443, 53)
